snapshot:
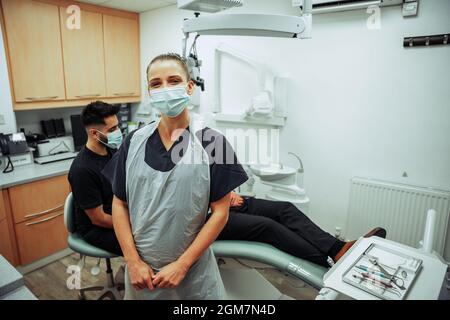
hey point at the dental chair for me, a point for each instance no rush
(266, 254)
(77, 244)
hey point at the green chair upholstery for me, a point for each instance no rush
(77, 244)
(267, 254)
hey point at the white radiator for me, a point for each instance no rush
(400, 209)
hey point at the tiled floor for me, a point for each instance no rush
(49, 282)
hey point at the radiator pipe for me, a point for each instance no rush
(428, 237)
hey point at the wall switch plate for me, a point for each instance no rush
(409, 9)
(2, 119)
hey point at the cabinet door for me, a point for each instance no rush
(41, 237)
(84, 63)
(34, 41)
(121, 36)
(6, 248)
(39, 198)
(2, 207)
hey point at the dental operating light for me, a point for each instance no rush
(260, 25)
(208, 5)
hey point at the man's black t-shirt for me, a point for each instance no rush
(90, 188)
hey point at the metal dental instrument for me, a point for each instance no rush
(391, 277)
(377, 281)
(371, 271)
(387, 287)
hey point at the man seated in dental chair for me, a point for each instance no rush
(285, 227)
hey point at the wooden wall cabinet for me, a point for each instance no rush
(52, 66)
(84, 63)
(34, 42)
(122, 64)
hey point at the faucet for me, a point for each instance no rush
(301, 169)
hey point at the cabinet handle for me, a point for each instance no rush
(44, 212)
(125, 94)
(42, 98)
(44, 220)
(89, 95)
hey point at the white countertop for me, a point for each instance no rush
(12, 285)
(34, 172)
(427, 286)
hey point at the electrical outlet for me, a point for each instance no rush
(2, 119)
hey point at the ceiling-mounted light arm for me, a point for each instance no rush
(263, 25)
(184, 43)
(307, 17)
(307, 7)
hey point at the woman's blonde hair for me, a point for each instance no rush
(170, 56)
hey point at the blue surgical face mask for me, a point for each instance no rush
(169, 101)
(114, 139)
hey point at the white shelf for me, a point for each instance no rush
(275, 121)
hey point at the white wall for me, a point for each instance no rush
(360, 103)
(5, 94)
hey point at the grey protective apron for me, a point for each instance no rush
(167, 211)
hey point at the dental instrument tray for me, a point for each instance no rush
(384, 273)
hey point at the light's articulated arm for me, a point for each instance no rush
(265, 25)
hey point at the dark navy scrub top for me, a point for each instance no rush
(225, 175)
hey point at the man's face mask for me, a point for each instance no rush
(169, 101)
(114, 139)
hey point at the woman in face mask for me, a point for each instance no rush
(164, 181)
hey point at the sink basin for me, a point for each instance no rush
(272, 172)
